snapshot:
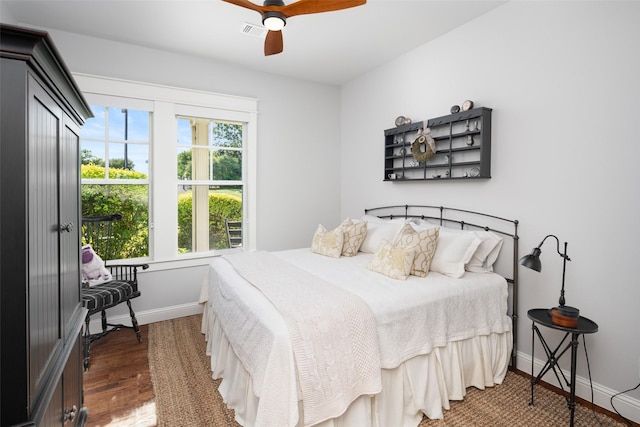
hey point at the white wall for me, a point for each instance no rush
(562, 79)
(6, 17)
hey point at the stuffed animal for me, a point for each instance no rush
(93, 269)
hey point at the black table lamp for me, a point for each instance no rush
(563, 315)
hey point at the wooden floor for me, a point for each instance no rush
(117, 386)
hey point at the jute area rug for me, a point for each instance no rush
(186, 395)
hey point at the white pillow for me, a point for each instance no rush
(421, 224)
(354, 234)
(393, 261)
(487, 253)
(373, 218)
(379, 229)
(93, 269)
(454, 250)
(327, 243)
(425, 242)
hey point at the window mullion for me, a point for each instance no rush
(200, 199)
(164, 172)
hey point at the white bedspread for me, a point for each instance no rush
(333, 333)
(418, 314)
(413, 317)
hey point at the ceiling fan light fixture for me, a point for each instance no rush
(275, 13)
(274, 21)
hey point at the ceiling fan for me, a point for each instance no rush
(275, 13)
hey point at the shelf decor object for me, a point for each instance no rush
(452, 147)
(423, 138)
(402, 120)
(562, 315)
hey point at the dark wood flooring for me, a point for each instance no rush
(117, 386)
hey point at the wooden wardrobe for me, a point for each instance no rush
(41, 314)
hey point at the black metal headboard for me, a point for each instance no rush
(469, 220)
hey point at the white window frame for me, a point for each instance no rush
(165, 103)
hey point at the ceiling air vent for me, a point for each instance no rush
(253, 29)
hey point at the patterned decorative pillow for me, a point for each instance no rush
(425, 241)
(392, 260)
(93, 269)
(354, 235)
(328, 243)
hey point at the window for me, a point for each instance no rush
(209, 165)
(114, 151)
(145, 142)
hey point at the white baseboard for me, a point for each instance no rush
(627, 406)
(149, 316)
(168, 313)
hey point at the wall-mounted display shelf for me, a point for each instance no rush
(463, 148)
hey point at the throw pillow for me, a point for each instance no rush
(392, 260)
(354, 235)
(328, 243)
(425, 241)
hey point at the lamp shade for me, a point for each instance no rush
(274, 21)
(532, 260)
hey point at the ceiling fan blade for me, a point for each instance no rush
(273, 43)
(247, 4)
(303, 7)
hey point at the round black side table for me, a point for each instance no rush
(542, 316)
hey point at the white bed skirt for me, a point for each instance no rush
(422, 384)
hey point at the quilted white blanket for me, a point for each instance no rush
(416, 315)
(333, 333)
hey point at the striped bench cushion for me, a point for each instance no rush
(107, 294)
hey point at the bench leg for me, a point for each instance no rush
(87, 341)
(134, 322)
(104, 321)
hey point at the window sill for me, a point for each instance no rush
(184, 261)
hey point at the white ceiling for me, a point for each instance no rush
(331, 47)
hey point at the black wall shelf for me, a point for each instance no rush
(463, 148)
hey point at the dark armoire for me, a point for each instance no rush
(41, 314)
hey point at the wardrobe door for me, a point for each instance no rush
(45, 337)
(69, 176)
(72, 313)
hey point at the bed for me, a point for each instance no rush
(364, 336)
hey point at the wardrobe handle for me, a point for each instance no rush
(70, 414)
(66, 227)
